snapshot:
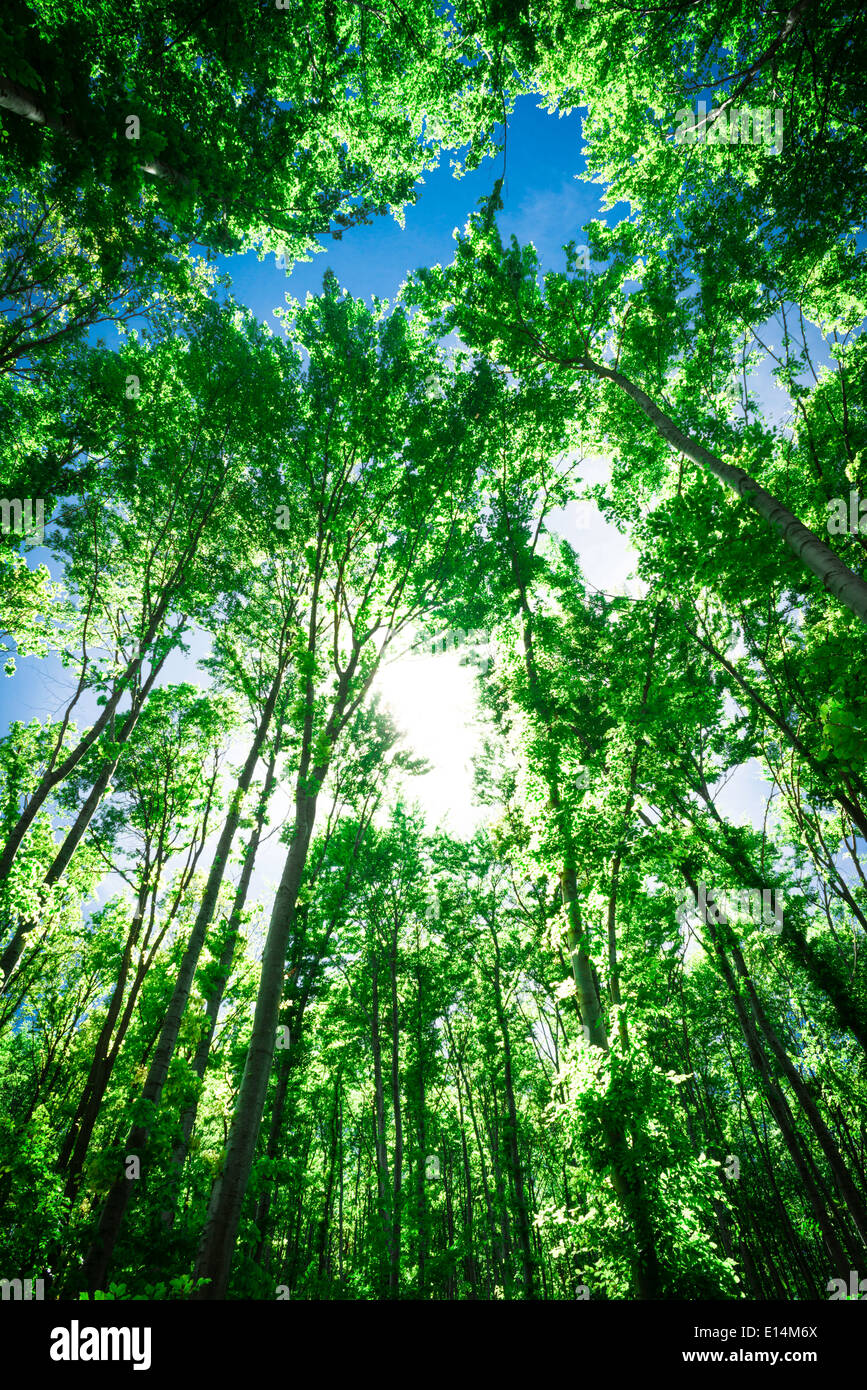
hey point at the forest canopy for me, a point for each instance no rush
(269, 1027)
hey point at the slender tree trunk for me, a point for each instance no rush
(625, 1175)
(111, 1220)
(524, 1241)
(450, 1219)
(60, 771)
(218, 1240)
(421, 1174)
(470, 1272)
(460, 1077)
(27, 103)
(224, 1213)
(12, 953)
(263, 1209)
(842, 1176)
(818, 557)
(779, 1108)
(382, 1175)
(397, 1170)
(331, 1160)
(782, 1211)
(852, 808)
(74, 1150)
(288, 1055)
(502, 1206)
(340, 1160)
(726, 946)
(224, 970)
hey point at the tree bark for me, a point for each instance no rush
(818, 557)
(512, 1130)
(99, 1256)
(224, 970)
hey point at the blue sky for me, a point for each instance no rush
(542, 199)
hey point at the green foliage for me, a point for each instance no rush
(405, 1065)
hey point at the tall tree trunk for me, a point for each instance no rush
(782, 1211)
(58, 772)
(852, 808)
(382, 1175)
(218, 1240)
(27, 103)
(421, 1167)
(331, 1160)
(470, 1266)
(842, 1176)
(120, 737)
(460, 1077)
(224, 1212)
(263, 1209)
(99, 1256)
(397, 1170)
(340, 1194)
(224, 970)
(75, 1147)
(523, 1224)
(726, 947)
(779, 1108)
(288, 1055)
(818, 557)
(625, 1175)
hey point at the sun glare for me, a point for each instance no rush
(432, 698)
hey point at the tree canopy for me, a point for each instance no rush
(268, 1028)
